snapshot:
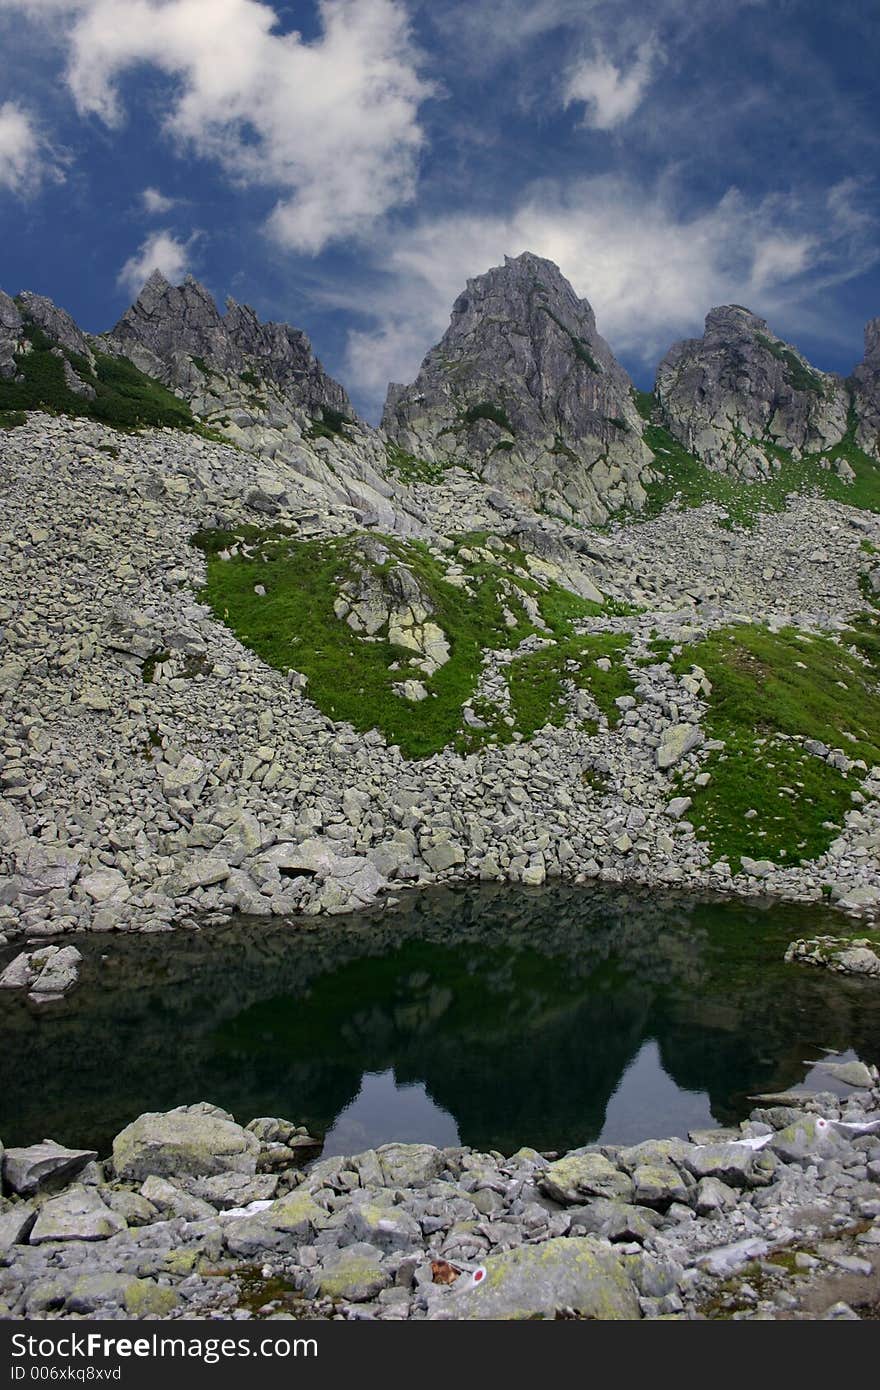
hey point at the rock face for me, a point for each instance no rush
(56, 323)
(262, 386)
(866, 392)
(10, 337)
(523, 390)
(727, 395)
(175, 333)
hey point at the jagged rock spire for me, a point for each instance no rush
(523, 389)
(168, 328)
(866, 392)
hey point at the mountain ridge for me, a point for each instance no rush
(521, 391)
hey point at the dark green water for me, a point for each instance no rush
(493, 1017)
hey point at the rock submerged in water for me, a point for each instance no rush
(47, 973)
(841, 955)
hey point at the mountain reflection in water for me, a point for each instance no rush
(489, 1016)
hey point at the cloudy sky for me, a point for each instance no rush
(347, 164)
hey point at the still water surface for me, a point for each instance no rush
(487, 1016)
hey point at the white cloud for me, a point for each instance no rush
(155, 203)
(650, 273)
(160, 251)
(780, 258)
(26, 159)
(331, 123)
(611, 93)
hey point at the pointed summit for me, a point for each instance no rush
(866, 392)
(523, 390)
(739, 393)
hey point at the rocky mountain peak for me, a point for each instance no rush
(732, 318)
(523, 390)
(872, 341)
(865, 384)
(178, 334)
(740, 394)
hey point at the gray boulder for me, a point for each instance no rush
(77, 1214)
(568, 1274)
(677, 741)
(577, 1176)
(353, 1274)
(48, 972)
(192, 1140)
(808, 1138)
(42, 1166)
(15, 1224)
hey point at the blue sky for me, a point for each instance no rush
(345, 165)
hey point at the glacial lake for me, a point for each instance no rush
(490, 1016)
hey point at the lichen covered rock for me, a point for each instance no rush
(575, 1274)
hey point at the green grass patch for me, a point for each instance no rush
(684, 480)
(125, 397)
(294, 626)
(537, 680)
(487, 410)
(410, 469)
(12, 419)
(330, 425)
(645, 401)
(770, 691)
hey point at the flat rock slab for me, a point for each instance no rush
(541, 1281)
(41, 1166)
(78, 1214)
(577, 1176)
(191, 1141)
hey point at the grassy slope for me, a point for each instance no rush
(294, 626)
(124, 397)
(769, 691)
(536, 680)
(687, 482)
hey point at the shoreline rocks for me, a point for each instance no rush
(843, 955)
(759, 1222)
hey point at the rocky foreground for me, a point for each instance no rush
(194, 1215)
